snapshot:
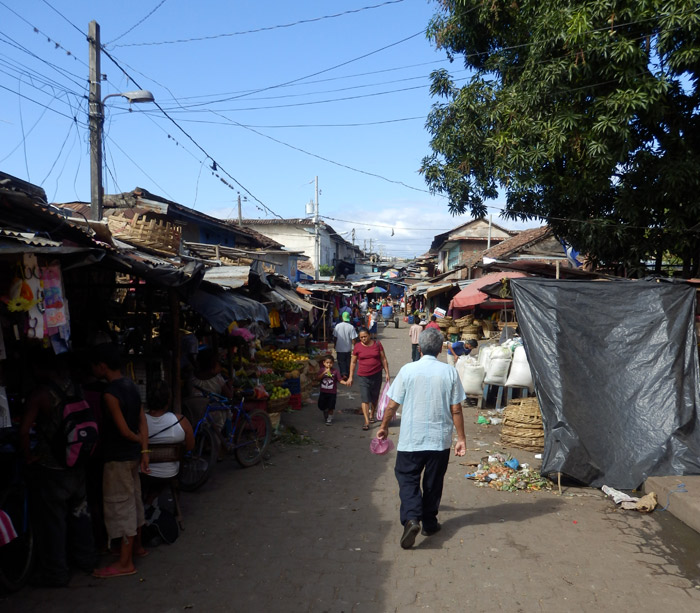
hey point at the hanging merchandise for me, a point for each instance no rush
(20, 296)
(274, 318)
(33, 277)
(54, 300)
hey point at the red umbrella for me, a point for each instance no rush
(472, 295)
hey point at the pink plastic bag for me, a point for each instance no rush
(383, 402)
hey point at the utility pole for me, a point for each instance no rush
(353, 245)
(240, 217)
(95, 111)
(317, 242)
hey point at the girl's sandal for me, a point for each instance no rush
(365, 427)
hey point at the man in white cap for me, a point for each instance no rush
(345, 337)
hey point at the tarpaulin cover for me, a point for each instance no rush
(615, 366)
(221, 308)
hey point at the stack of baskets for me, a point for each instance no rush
(306, 388)
(522, 425)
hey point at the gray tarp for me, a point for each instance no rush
(220, 307)
(615, 366)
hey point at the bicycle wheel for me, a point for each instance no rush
(17, 556)
(196, 466)
(253, 434)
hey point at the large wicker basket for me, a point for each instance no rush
(277, 405)
(522, 425)
(156, 234)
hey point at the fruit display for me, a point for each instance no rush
(281, 360)
(279, 392)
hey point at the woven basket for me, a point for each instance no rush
(147, 231)
(165, 452)
(453, 330)
(467, 320)
(468, 337)
(471, 329)
(277, 405)
(522, 425)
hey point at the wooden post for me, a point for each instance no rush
(175, 380)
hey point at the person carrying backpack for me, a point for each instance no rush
(58, 504)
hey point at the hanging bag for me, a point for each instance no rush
(383, 402)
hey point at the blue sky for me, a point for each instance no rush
(275, 92)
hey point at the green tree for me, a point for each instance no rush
(583, 113)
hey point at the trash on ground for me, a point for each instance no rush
(497, 471)
(645, 504)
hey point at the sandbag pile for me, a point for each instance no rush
(522, 425)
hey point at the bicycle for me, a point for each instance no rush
(17, 556)
(247, 434)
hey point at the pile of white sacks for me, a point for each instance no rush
(503, 365)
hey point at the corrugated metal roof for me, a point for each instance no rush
(228, 276)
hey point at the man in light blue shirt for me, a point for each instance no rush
(431, 396)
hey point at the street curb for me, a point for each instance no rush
(679, 496)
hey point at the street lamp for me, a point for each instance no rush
(96, 116)
(96, 128)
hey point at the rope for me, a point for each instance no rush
(680, 489)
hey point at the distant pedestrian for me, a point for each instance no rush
(431, 395)
(373, 318)
(370, 359)
(329, 376)
(433, 323)
(413, 333)
(345, 335)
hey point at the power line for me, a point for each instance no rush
(265, 29)
(215, 165)
(310, 125)
(364, 172)
(161, 3)
(63, 17)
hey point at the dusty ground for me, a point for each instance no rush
(317, 529)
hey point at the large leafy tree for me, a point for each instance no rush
(583, 113)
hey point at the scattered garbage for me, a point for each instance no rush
(482, 420)
(505, 473)
(645, 504)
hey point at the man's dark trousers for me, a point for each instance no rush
(409, 466)
(344, 363)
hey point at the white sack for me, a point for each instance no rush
(498, 365)
(471, 374)
(520, 375)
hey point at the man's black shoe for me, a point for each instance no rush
(410, 531)
(426, 532)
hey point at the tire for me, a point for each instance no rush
(253, 434)
(16, 558)
(196, 466)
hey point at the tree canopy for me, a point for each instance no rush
(582, 113)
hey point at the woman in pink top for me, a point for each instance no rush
(370, 359)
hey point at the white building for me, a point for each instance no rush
(299, 235)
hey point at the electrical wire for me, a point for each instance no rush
(161, 3)
(55, 10)
(265, 29)
(364, 172)
(215, 165)
(309, 125)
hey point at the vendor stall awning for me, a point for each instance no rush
(472, 295)
(221, 307)
(438, 289)
(292, 297)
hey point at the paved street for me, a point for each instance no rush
(317, 530)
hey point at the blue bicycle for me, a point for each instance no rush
(246, 434)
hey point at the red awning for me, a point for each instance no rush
(472, 295)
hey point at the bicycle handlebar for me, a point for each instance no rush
(214, 395)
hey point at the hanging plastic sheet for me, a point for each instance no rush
(615, 367)
(220, 307)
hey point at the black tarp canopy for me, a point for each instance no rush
(221, 307)
(615, 367)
